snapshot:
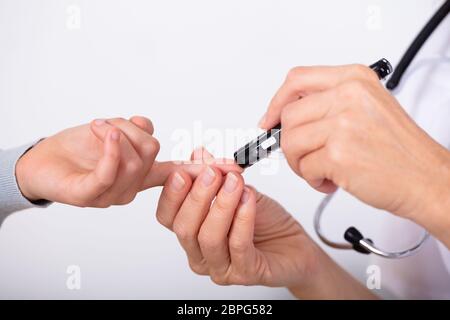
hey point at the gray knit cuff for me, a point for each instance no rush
(11, 199)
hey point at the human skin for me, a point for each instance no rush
(104, 163)
(236, 235)
(342, 128)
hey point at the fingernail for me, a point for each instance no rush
(208, 176)
(230, 183)
(262, 121)
(245, 195)
(99, 122)
(115, 135)
(177, 182)
(206, 154)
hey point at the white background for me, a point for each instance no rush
(177, 62)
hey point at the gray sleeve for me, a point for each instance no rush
(11, 199)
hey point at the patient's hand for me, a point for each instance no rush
(235, 234)
(106, 162)
(100, 164)
(96, 165)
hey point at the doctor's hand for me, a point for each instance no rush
(236, 235)
(342, 128)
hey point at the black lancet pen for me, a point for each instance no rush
(261, 147)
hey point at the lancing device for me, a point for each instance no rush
(269, 141)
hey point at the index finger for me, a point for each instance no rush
(145, 144)
(143, 123)
(302, 81)
(162, 170)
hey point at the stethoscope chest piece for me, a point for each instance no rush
(356, 241)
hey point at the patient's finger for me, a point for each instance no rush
(161, 170)
(143, 123)
(126, 184)
(146, 146)
(172, 196)
(201, 155)
(103, 176)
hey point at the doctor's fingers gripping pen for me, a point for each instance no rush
(261, 147)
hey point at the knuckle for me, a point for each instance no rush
(303, 168)
(198, 268)
(102, 206)
(84, 204)
(203, 240)
(169, 198)
(241, 219)
(162, 219)
(134, 166)
(150, 147)
(82, 199)
(149, 122)
(219, 280)
(285, 142)
(209, 242)
(102, 203)
(126, 199)
(287, 112)
(344, 122)
(221, 205)
(104, 182)
(335, 154)
(350, 90)
(146, 121)
(117, 121)
(238, 246)
(294, 73)
(114, 155)
(183, 233)
(362, 71)
(196, 198)
(156, 145)
(150, 125)
(243, 279)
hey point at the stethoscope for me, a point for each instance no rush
(355, 239)
(269, 141)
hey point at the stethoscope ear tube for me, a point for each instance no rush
(356, 241)
(418, 42)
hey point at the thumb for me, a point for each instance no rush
(93, 184)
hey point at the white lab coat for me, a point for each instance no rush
(425, 93)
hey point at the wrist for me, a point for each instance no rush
(23, 173)
(314, 284)
(434, 215)
(327, 280)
